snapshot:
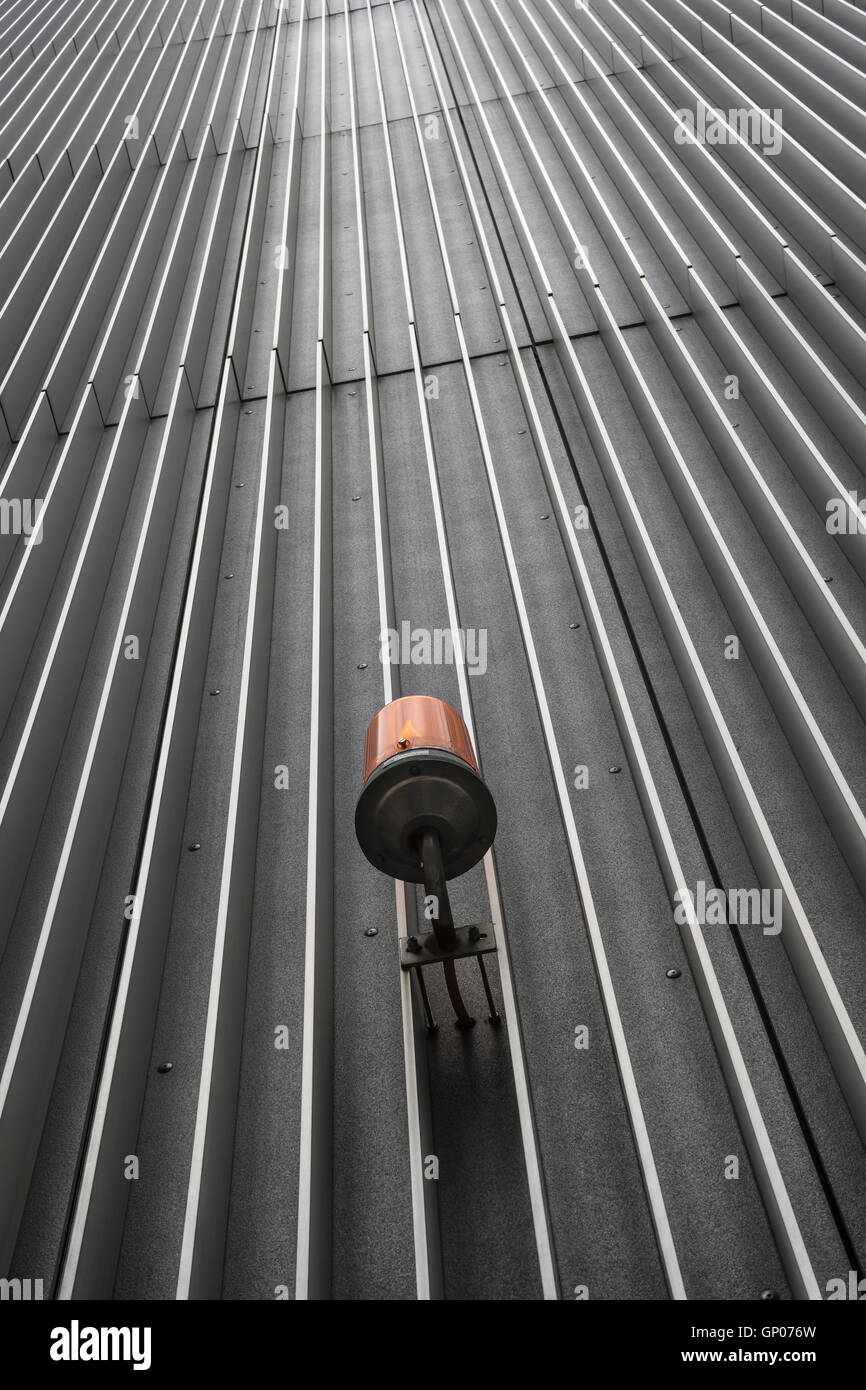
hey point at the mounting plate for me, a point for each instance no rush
(477, 940)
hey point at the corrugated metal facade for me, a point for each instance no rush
(531, 333)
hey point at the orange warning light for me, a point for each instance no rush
(416, 721)
(425, 815)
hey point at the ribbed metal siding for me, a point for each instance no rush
(429, 313)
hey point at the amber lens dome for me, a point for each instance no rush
(416, 721)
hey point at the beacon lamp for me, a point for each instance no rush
(424, 816)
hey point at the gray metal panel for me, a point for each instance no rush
(309, 358)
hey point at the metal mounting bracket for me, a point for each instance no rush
(477, 940)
